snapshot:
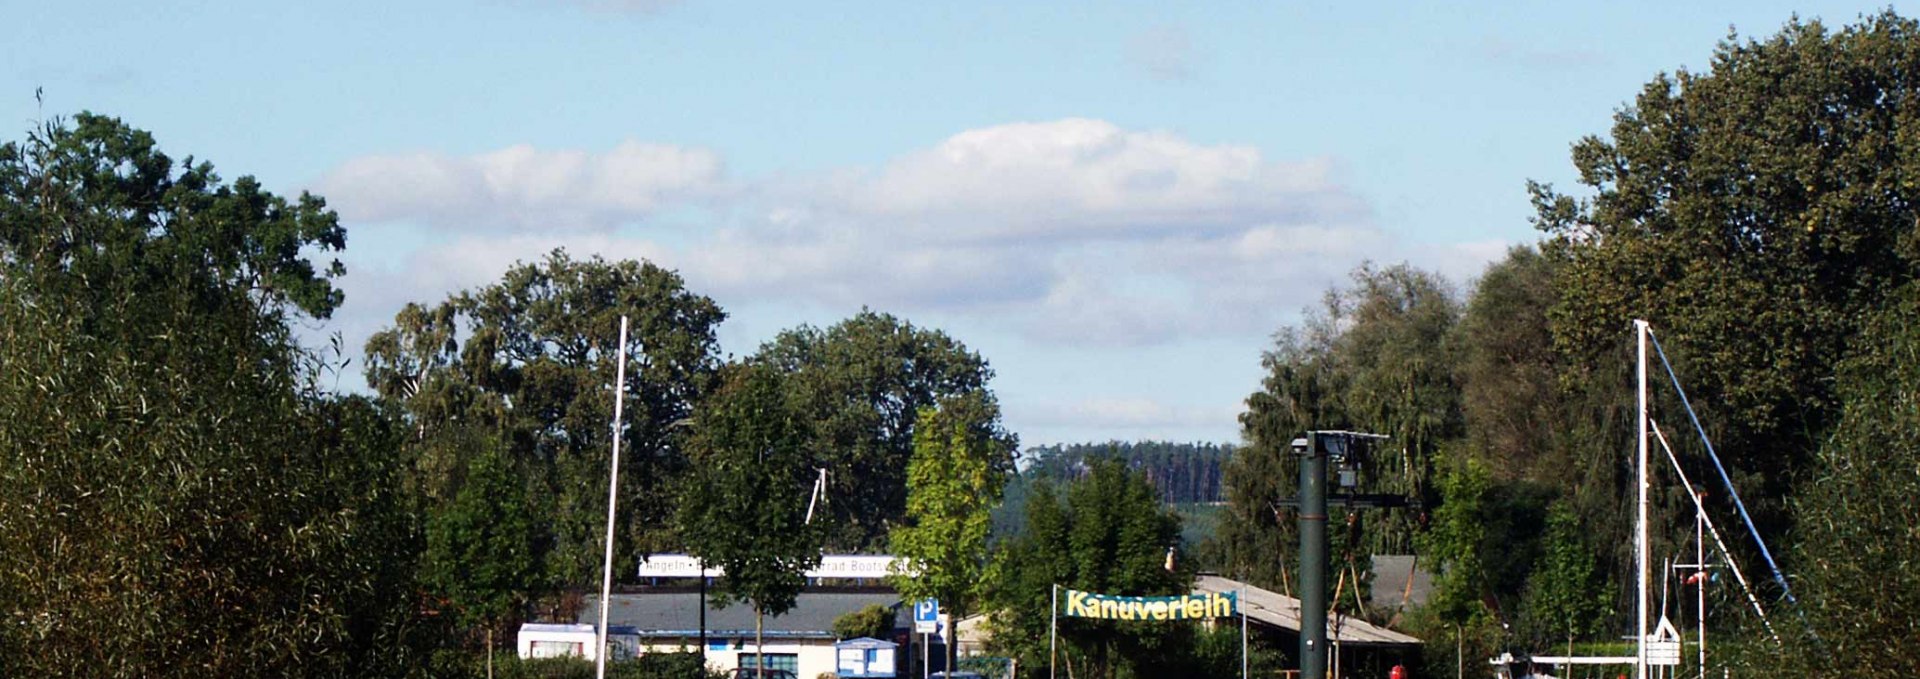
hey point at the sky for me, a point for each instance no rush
(1117, 204)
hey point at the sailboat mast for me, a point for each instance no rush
(1640, 524)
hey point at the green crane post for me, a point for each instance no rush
(1313, 556)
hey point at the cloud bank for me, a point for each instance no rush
(1067, 232)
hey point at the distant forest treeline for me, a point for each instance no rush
(1184, 473)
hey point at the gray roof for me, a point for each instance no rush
(1279, 610)
(1391, 574)
(677, 614)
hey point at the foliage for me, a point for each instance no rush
(874, 621)
(959, 466)
(175, 497)
(1376, 358)
(1186, 474)
(1858, 534)
(863, 382)
(1111, 536)
(1756, 214)
(509, 665)
(1182, 472)
(530, 358)
(961, 461)
(1566, 594)
(480, 555)
(744, 503)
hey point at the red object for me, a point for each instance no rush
(1398, 672)
(1697, 578)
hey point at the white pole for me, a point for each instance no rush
(613, 489)
(1640, 522)
(1053, 633)
(1700, 588)
(1241, 602)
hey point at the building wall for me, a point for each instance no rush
(816, 656)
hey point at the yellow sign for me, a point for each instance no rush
(1191, 607)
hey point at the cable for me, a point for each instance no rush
(1778, 577)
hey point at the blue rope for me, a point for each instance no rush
(1778, 577)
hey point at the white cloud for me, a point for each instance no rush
(523, 188)
(1080, 179)
(1071, 231)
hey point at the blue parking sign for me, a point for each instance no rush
(926, 616)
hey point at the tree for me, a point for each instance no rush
(1757, 213)
(480, 545)
(1376, 357)
(863, 382)
(179, 498)
(1856, 538)
(1111, 535)
(961, 461)
(1508, 371)
(874, 621)
(744, 503)
(531, 357)
(1567, 590)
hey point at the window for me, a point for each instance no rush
(775, 661)
(554, 649)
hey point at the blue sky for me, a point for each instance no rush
(1116, 203)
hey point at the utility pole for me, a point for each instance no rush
(1313, 557)
(1347, 450)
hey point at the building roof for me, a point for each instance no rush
(1279, 610)
(677, 614)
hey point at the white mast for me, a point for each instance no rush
(1700, 571)
(1640, 524)
(613, 487)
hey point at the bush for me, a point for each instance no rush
(507, 665)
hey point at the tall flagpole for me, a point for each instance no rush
(1053, 632)
(613, 486)
(1640, 523)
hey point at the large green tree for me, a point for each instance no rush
(1757, 213)
(176, 497)
(531, 357)
(961, 462)
(863, 382)
(743, 505)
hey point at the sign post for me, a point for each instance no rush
(926, 621)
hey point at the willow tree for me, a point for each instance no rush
(177, 497)
(1376, 356)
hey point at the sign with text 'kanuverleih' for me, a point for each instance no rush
(1191, 607)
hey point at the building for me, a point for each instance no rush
(802, 640)
(1360, 648)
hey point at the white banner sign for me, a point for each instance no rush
(831, 566)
